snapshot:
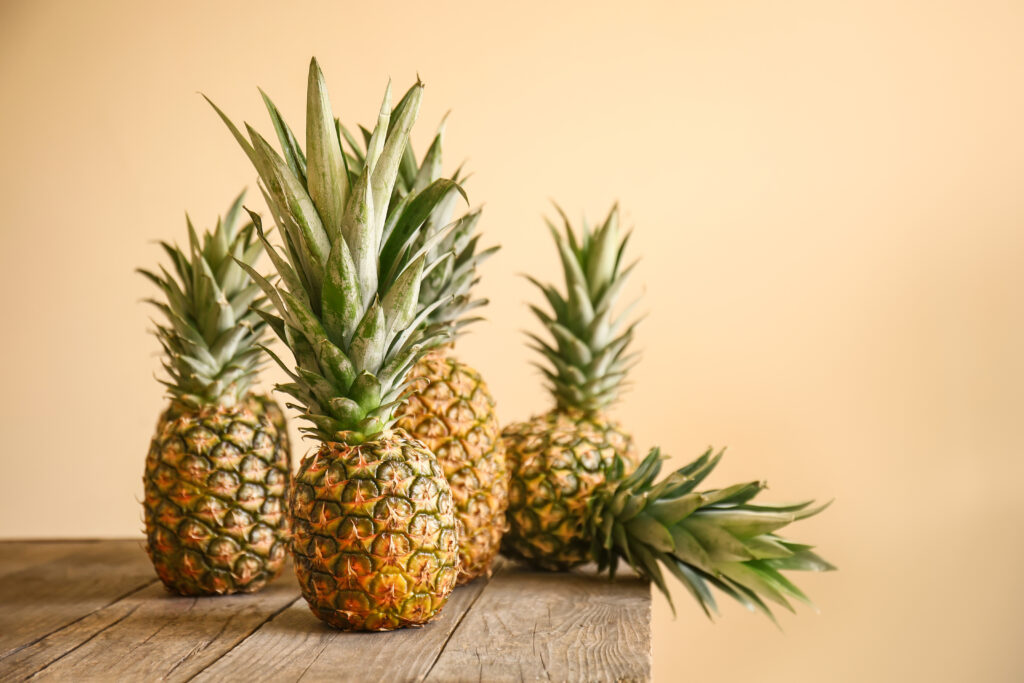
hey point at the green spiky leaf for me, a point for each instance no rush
(714, 538)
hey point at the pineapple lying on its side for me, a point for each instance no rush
(218, 466)
(577, 493)
(375, 536)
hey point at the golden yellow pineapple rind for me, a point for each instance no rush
(452, 412)
(557, 460)
(375, 540)
(215, 485)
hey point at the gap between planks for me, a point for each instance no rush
(152, 634)
(12, 654)
(256, 628)
(499, 563)
(52, 586)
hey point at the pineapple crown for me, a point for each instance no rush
(213, 328)
(452, 280)
(716, 537)
(588, 361)
(351, 267)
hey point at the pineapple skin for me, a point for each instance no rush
(215, 486)
(453, 413)
(375, 538)
(556, 461)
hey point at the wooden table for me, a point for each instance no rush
(94, 610)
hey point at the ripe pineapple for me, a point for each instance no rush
(577, 492)
(558, 459)
(452, 410)
(218, 466)
(375, 533)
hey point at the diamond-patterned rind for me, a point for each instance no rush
(452, 412)
(556, 460)
(375, 541)
(215, 486)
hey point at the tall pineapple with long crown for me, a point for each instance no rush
(375, 533)
(452, 409)
(218, 466)
(577, 492)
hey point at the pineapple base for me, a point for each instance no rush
(215, 486)
(556, 461)
(375, 538)
(452, 412)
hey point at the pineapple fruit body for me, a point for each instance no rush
(215, 485)
(557, 461)
(452, 412)
(375, 533)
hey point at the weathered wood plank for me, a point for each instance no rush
(530, 625)
(94, 611)
(45, 596)
(296, 645)
(26, 661)
(18, 555)
(151, 635)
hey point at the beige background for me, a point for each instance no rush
(828, 203)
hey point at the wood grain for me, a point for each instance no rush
(18, 555)
(38, 599)
(297, 646)
(152, 635)
(26, 661)
(530, 625)
(94, 611)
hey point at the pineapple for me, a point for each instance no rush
(453, 411)
(559, 459)
(218, 466)
(375, 532)
(577, 492)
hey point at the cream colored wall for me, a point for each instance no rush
(828, 203)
